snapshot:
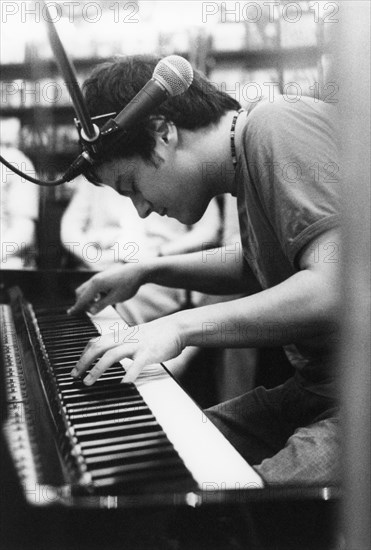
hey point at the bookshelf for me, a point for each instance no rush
(33, 93)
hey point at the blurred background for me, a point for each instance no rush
(248, 49)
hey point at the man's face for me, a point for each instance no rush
(172, 187)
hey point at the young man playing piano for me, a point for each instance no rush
(279, 160)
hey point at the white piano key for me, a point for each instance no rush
(212, 460)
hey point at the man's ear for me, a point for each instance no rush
(167, 133)
(171, 134)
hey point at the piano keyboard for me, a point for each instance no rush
(116, 438)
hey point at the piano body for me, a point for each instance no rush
(117, 465)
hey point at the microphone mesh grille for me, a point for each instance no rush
(175, 73)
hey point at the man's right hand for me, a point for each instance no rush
(108, 287)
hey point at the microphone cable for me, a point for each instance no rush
(31, 179)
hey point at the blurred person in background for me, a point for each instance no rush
(19, 204)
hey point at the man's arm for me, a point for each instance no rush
(303, 308)
(221, 270)
(217, 271)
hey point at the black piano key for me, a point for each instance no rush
(142, 426)
(129, 417)
(62, 347)
(57, 328)
(125, 445)
(118, 438)
(147, 465)
(76, 335)
(61, 308)
(63, 369)
(175, 479)
(114, 413)
(108, 379)
(60, 352)
(53, 341)
(95, 444)
(77, 405)
(71, 330)
(68, 329)
(63, 373)
(58, 315)
(107, 404)
(64, 320)
(63, 324)
(76, 395)
(132, 456)
(60, 362)
(78, 387)
(65, 365)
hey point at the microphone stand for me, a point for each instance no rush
(90, 131)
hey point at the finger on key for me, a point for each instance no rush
(110, 357)
(134, 370)
(85, 295)
(91, 352)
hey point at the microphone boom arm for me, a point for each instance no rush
(91, 132)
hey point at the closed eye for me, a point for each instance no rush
(125, 185)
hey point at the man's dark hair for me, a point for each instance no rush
(113, 84)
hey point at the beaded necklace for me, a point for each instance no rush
(232, 135)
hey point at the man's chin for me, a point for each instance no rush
(186, 218)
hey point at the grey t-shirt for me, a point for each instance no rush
(287, 187)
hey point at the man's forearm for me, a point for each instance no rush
(217, 271)
(302, 308)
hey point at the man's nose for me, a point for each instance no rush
(143, 207)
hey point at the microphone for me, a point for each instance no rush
(172, 76)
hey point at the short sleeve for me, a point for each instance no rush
(293, 164)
